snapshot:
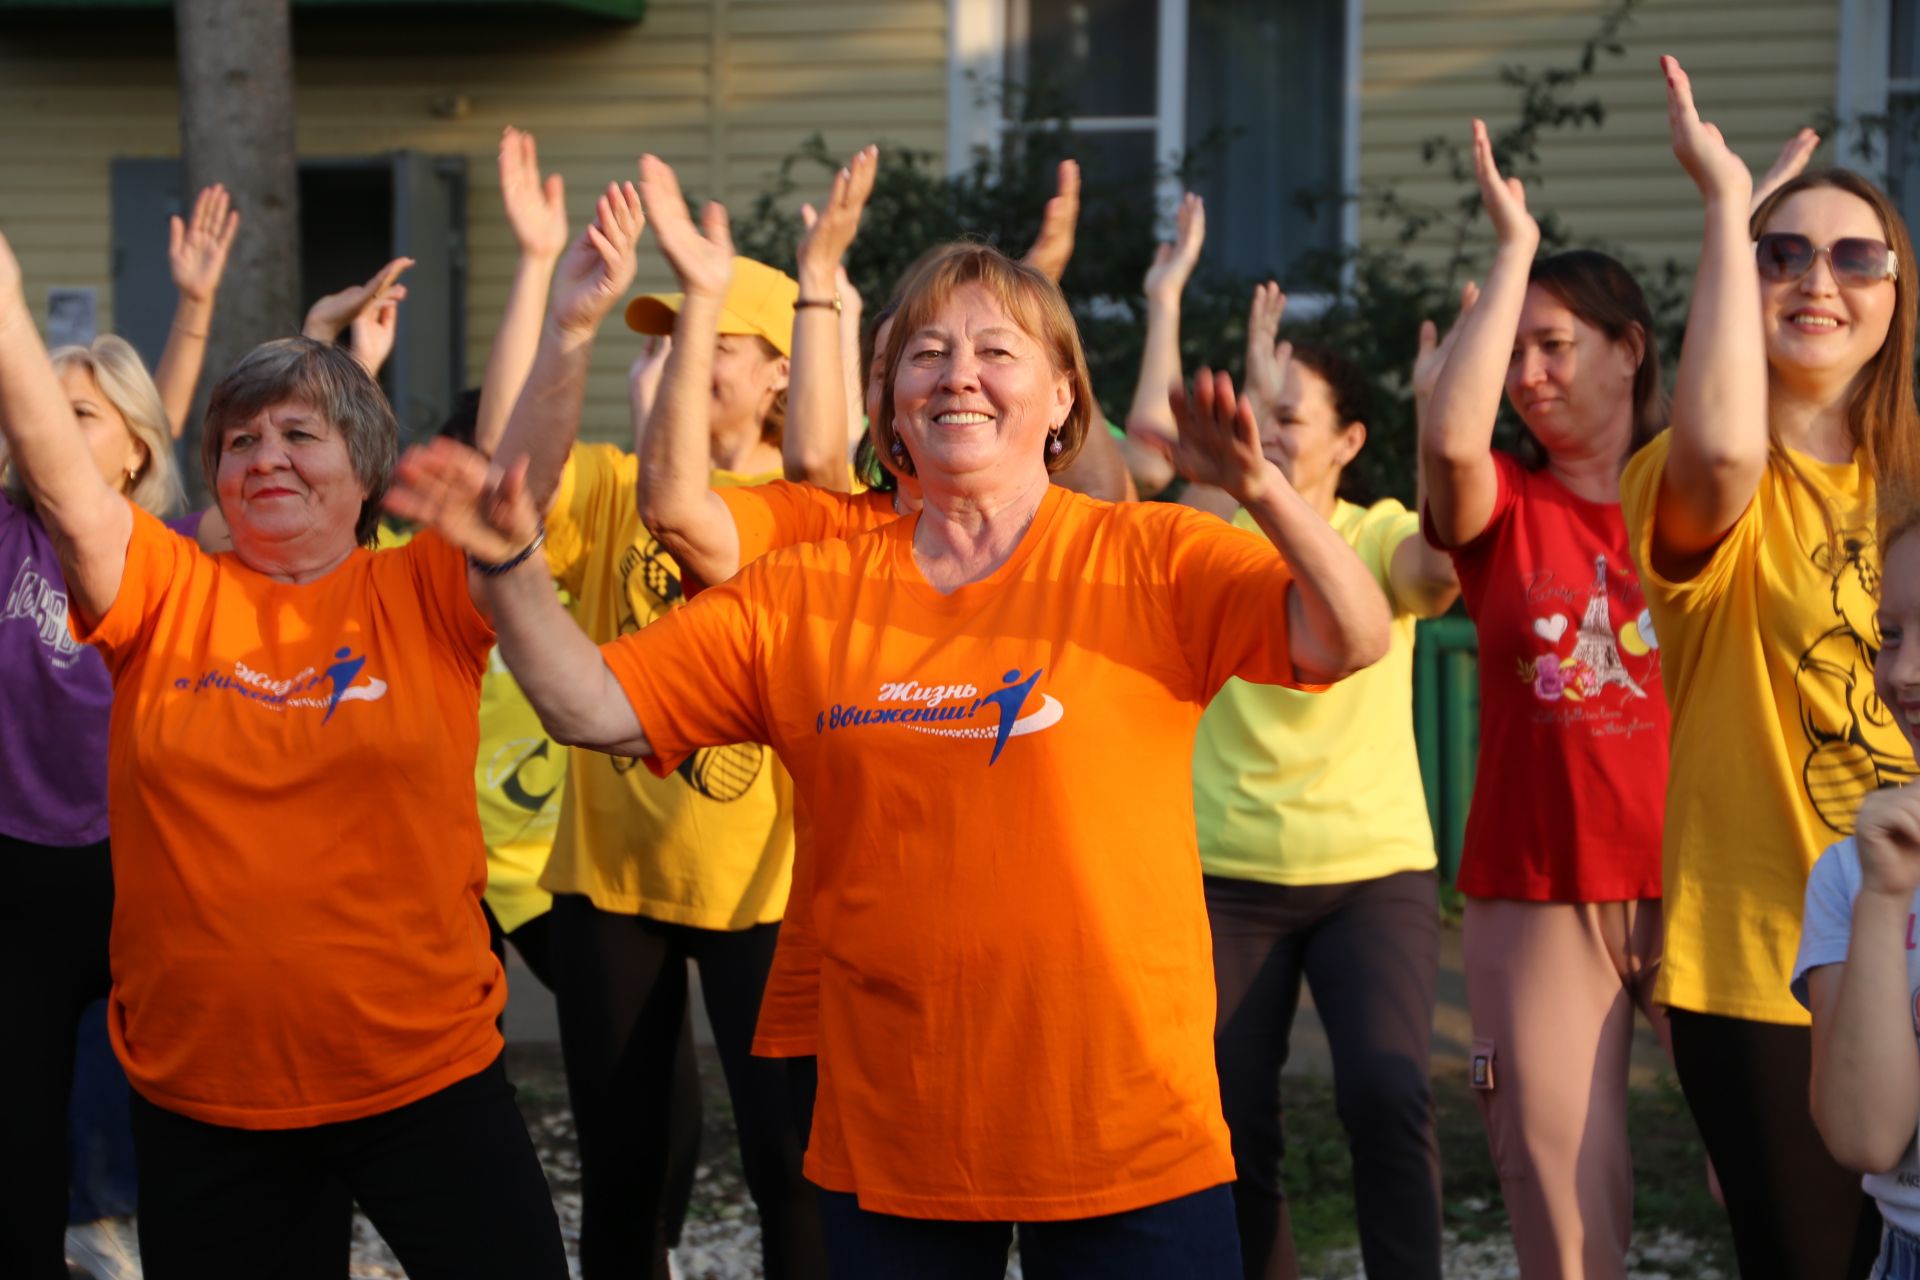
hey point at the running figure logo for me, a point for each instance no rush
(342, 674)
(1010, 700)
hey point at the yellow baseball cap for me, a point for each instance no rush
(759, 302)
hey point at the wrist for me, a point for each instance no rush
(1891, 901)
(1164, 303)
(817, 281)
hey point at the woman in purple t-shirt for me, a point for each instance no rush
(55, 698)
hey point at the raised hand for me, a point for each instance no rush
(596, 271)
(453, 489)
(1791, 163)
(831, 227)
(1701, 149)
(1267, 357)
(375, 328)
(1504, 199)
(536, 208)
(701, 256)
(1431, 356)
(1888, 832)
(1053, 247)
(328, 317)
(1218, 441)
(197, 247)
(1173, 263)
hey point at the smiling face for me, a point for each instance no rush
(285, 478)
(1815, 324)
(116, 451)
(1307, 440)
(975, 395)
(1896, 671)
(1567, 380)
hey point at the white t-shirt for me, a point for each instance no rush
(1825, 930)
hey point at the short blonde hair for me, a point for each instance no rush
(1031, 301)
(128, 387)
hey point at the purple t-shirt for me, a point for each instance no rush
(55, 695)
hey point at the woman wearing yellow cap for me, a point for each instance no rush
(650, 873)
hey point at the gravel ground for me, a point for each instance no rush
(721, 1240)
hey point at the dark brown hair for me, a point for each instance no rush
(1606, 297)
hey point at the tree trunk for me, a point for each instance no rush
(236, 127)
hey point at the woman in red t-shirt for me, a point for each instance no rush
(1561, 867)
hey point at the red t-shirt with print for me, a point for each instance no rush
(1570, 790)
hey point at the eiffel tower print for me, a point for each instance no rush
(1596, 650)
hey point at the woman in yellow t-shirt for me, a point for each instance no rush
(1752, 520)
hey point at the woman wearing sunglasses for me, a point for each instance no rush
(1753, 525)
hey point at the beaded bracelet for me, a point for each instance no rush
(508, 566)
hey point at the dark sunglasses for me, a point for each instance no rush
(1784, 257)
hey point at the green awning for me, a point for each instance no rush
(620, 10)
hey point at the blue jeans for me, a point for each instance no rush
(1899, 1256)
(1191, 1238)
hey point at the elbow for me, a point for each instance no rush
(1862, 1151)
(821, 468)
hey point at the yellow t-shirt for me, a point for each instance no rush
(517, 777)
(1767, 657)
(710, 845)
(1319, 788)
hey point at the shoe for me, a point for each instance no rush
(105, 1250)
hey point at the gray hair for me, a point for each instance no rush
(336, 386)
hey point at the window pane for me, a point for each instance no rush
(1903, 50)
(1903, 154)
(1097, 55)
(1265, 124)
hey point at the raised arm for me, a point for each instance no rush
(490, 515)
(90, 522)
(1456, 440)
(1719, 441)
(537, 212)
(336, 313)
(1052, 249)
(1422, 574)
(1866, 1076)
(197, 255)
(676, 500)
(593, 276)
(815, 446)
(1337, 620)
(1149, 421)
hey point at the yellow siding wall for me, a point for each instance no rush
(722, 89)
(1761, 69)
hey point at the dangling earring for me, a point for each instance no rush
(1054, 445)
(901, 458)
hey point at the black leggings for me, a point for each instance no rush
(620, 982)
(451, 1182)
(1796, 1214)
(1370, 951)
(54, 922)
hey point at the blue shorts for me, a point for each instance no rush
(1899, 1255)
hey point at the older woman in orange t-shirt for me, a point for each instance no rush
(988, 710)
(303, 994)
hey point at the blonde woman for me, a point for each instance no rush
(55, 696)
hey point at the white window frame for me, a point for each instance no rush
(977, 59)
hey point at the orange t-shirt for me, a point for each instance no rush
(769, 517)
(297, 858)
(783, 513)
(1016, 977)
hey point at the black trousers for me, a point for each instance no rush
(1796, 1214)
(54, 922)
(1370, 952)
(451, 1182)
(620, 982)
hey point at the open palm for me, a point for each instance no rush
(197, 246)
(701, 256)
(598, 269)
